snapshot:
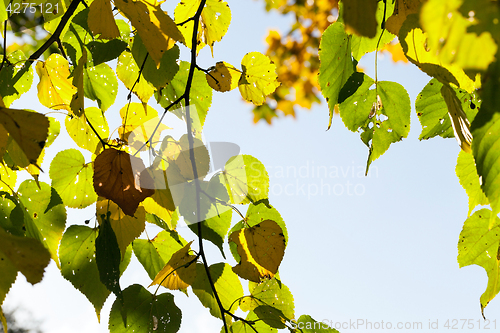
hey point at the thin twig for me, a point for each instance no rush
(55, 36)
(129, 96)
(4, 59)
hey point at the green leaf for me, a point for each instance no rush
(479, 244)
(258, 79)
(356, 109)
(81, 132)
(78, 264)
(154, 254)
(73, 178)
(308, 325)
(448, 36)
(246, 179)
(15, 79)
(486, 143)
(336, 63)
(362, 45)
(270, 294)
(468, 178)
(142, 312)
(158, 77)
(201, 92)
(128, 72)
(104, 51)
(54, 130)
(432, 110)
(44, 214)
(226, 283)
(100, 84)
(75, 40)
(108, 257)
(360, 17)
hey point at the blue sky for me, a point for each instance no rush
(376, 248)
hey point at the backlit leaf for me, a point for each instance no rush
(128, 72)
(80, 131)
(448, 36)
(72, 178)
(259, 325)
(459, 121)
(223, 77)
(478, 244)
(201, 92)
(261, 249)
(157, 30)
(486, 132)
(104, 51)
(467, 175)
(100, 84)
(308, 325)
(55, 89)
(154, 254)
(144, 312)
(44, 214)
(258, 79)
(214, 21)
(15, 78)
(246, 179)
(226, 283)
(101, 20)
(126, 228)
(28, 129)
(78, 264)
(157, 76)
(114, 179)
(179, 272)
(336, 63)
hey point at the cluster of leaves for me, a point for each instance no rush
(456, 43)
(126, 193)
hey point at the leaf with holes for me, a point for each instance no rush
(82, 133)
(128, 72)
(223, 77)
(44, 214)
(72, 178)
(258, 79)
(78, 264)
(55, 89)
(15, 78)
(100, 84)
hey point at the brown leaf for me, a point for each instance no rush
(115, 179)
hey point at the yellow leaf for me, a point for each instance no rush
(359, 17)
(175, 275)
(157, 30)
(214, 21)
(55, 89)
(261, 249)
(28, 129)
(138, 123)
(115, 179)
(101, 20)
(396, 52)
(402, 8)
(126, 228)
(223, 77)
(258, 79)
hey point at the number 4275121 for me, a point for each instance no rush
(26, 7)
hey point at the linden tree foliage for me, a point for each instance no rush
(90, 46)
